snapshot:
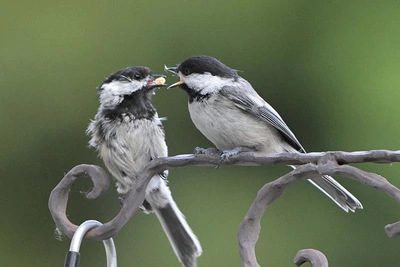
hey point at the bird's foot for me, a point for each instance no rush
(226, 154)
(207, 151)
(121, 200)
(146, 208)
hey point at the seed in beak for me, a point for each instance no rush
(160, 81)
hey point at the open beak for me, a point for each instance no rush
(174, 71)
(156, 80)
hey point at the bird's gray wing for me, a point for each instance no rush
(249, 101)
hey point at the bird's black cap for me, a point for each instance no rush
(203, 64)
(134, 73)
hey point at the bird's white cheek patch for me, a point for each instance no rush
(111, 93)
(206, 83)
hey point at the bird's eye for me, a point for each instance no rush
(136, 76)
(186, 71)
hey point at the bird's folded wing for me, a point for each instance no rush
(252, 103)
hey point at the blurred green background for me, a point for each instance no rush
(330, 69)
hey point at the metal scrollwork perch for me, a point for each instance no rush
(312, 165)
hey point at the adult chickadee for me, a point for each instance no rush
(229, 112)
(128, 134)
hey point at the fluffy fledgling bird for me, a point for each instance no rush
(228, 111)
(128, 134)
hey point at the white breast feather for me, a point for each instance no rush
(228, 127)
(129, 147)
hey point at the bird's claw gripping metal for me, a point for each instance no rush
(207, 151)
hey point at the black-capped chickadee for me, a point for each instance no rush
(228, 111)
(128, 134)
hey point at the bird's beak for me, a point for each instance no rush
(156, 80)
(174, 71)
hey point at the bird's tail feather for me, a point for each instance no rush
(184, 242)
(336, 192)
